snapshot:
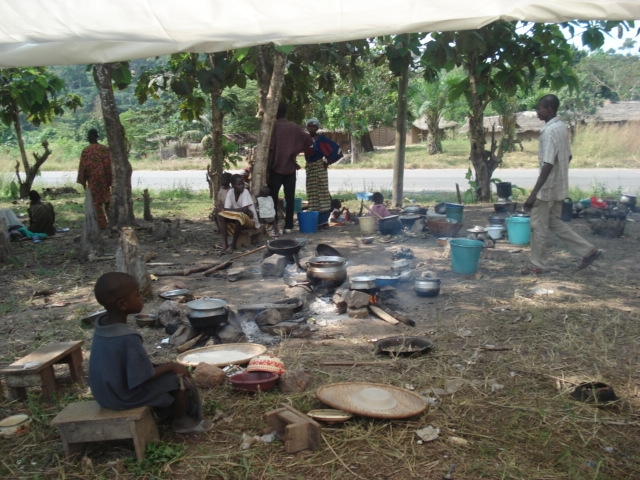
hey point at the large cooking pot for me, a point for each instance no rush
(389, 225)
(401, 266)
(408, 220)
(628, 200)
(362, 282)
(497, 220)
(427, 287)
(505, 207)
(284, 246)
(331, 271)
(209, 323)
(206, 307)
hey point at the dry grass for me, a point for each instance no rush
(512, 406)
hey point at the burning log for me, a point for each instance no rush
(378, 312)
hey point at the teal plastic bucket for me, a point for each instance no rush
(308, 222)
(465, 255)
(518, 230)
(454, 211)
(297, 205)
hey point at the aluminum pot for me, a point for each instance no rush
(426, 287)
(325, 261)
(411, 209)
(497, 220)
(330, 270)
(206, 307)
(362, 282)
(505, 207)
(628, 200)
(400, 266)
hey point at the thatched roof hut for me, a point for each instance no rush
(616, 113)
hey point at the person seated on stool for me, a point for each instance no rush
(122, 377)
(41, 215)
(239, 212)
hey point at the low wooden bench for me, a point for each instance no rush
(297, 431)
(249, 236)
(84, 422)
(36, 369)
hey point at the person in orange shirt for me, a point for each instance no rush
(95, 172)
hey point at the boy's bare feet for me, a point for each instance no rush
(188, 425)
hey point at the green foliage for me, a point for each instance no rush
(157, 457)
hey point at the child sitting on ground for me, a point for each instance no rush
(121, 376)
(337, 211)
(378, 209)
(267, 212)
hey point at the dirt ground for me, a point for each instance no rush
(498, 328)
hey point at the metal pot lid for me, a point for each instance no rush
(477, 229)
(324, 250)
(390, 217)
(363, 278)
(412, 209)
(411, 216)
(207, 303)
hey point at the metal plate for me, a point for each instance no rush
(173, 293)
(222, 355)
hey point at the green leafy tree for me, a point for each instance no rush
(430, 99)
(499, 59)
(36, 96)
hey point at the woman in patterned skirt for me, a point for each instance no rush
(318, 194)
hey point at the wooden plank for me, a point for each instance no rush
(378, 312)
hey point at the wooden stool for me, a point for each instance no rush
(36, 369)
(298, 432)
(85, 422)
(248, 237)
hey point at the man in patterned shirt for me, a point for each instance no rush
(95, 170)
(545, 200)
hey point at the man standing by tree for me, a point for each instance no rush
(545, 200)
(95, 169)
(287, 141)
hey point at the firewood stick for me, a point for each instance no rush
(235, 257)
(200, 268)
(397, 315)
(222, 266)
(187, 345)
(378, 312)
(160, 264)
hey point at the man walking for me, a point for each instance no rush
(545, 200)
(287, 141)
(95, 170)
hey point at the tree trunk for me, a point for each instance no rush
(217, 154)
(366, 143)
(23, 152)
(129, 259)
(401, 139)
(355, 146)
(5, 241)
(121, 207)
(434, 143)
(269, 107)
(91, 243)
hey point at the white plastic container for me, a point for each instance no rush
(495, 231)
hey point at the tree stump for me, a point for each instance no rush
(147, 205)
(91, 242)
(129, 259)
(5, 241)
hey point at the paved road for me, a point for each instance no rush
(371, 180)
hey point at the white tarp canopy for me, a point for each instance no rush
(58, 32)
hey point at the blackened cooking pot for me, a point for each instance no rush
(284, 246)
(389, 225)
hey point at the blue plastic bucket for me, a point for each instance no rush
(454, 211)
(308, 222)
(518, 230)
(465, 255)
